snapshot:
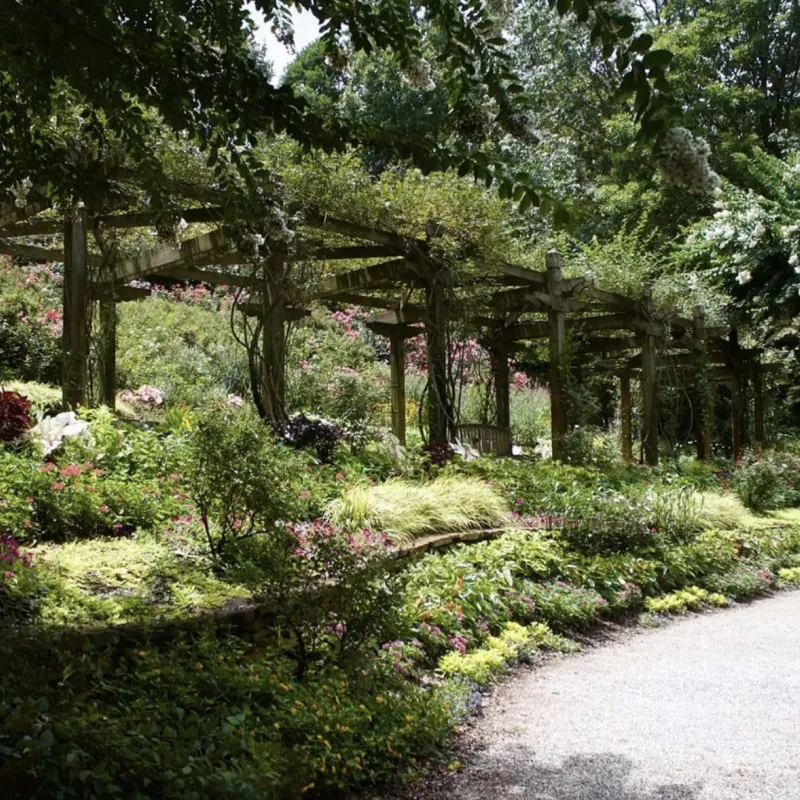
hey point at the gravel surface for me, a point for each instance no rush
(707, 708)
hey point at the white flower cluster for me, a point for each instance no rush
(522, 126)
(683, 159)
(791, 235)
(20, 190)
(419, 74)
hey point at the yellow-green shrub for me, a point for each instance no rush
(405, 511)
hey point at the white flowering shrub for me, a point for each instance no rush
(683, 159)
(751, 244)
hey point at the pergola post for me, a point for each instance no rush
(558, 347)
(75, 338)
(397, 366)
(758, 408)
(626, 439)
(108, 355)
(650, 411)
(737, 416)
(273, 337)
(702, 415)
(439, 417)
(502, 393)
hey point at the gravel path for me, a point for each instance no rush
(705, 709)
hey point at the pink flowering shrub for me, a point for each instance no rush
(30, 321)
(18, 581)
(329, 588)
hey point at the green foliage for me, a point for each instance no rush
(205, 715)
(760, 483)
(44, 399)
(239, 477)
(744, 580)
(405, 511)
(113, 581)
(186, 351)
(30, 323)
(692, 598)
(789, 576)
(328, 589)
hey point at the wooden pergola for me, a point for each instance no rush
(632, 339)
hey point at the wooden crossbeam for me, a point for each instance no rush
(407, 315)
(608, 345)
(354, 299)
(42, 254)
(124, 294)
(397, 331)
(290, 313)
(527, 299)
(367, 277)
(356, 231)
(168, 257)
(36, 203)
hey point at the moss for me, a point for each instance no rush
(111, 581)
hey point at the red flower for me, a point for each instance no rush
(56, 486)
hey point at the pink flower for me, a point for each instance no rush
(56, 486)
(72, 470)
(104, 508)
(339, 476)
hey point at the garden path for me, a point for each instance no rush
(705, 709)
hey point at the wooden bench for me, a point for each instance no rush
(486, 439)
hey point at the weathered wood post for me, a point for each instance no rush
(737, 398)
(558, 347)
(502, 392)
(759, 432)
(439, 416)
(626, 439)
(273, 335)
(108, 344)
(650, 411)
(397, 366)
(75, 338)
(702, 413)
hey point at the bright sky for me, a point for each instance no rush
(305, 31)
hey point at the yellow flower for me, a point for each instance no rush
(326, 729)
(293, 711)
(378, 699)
(276, 726)
(363, 707)
(453, 765)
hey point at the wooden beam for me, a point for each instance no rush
(626, 438)
(703, 411)
(397, 368)
(396, 270)
(273, 337)
(357, 231)
(558, 347)
(42, 254)
(404, 331)
(440, 416)
(188, 253)
(35, 203)
(650, 411)
(124, 294)
(759, 433)
(610, 344)
(502, 392)
(406, 315)
(108, 348)
(75, 337)
(365, 300)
